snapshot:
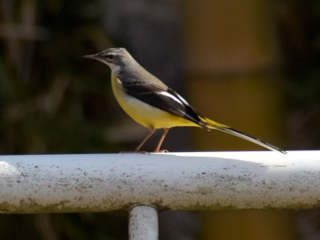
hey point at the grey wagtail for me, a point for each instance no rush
(153, 104)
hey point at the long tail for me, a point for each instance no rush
(226, 129)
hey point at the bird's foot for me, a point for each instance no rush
(144, 152)
(126, 152)
(161, 151)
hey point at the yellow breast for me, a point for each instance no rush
(145, 114)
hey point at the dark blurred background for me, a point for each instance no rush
(251, 64)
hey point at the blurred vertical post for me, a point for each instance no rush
(232, 54)
(231, 59)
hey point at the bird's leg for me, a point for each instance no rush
(152, 130)
(161, 140)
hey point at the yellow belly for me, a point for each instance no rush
(145, 114)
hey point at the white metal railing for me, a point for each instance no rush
(141, 183)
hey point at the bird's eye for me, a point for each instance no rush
(110, 57)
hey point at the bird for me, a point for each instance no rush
(151, 103)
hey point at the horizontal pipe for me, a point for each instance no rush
(180, 181)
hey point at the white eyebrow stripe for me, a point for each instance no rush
(170, 96)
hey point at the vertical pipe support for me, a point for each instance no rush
(143, 223)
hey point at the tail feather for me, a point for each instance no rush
(226, 129)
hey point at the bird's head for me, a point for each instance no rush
(115, 58)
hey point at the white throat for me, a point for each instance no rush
(114, 68)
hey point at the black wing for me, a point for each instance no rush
(164, 99)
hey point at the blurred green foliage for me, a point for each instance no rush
(51, 99)
(54, 101)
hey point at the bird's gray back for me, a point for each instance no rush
(133, 71)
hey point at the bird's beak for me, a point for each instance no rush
(96, 57)
(92, 56)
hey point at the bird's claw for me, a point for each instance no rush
(126, 152)
(161, 151)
